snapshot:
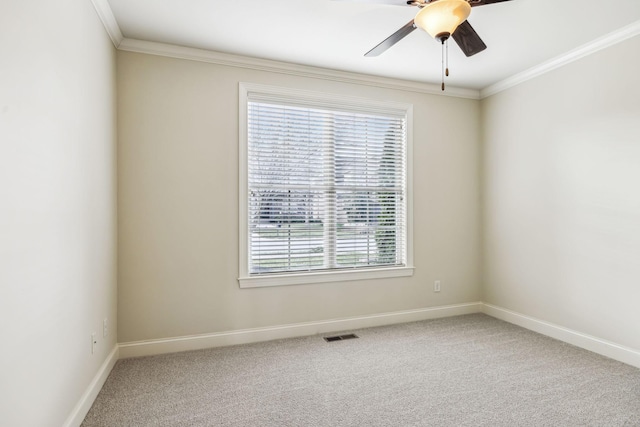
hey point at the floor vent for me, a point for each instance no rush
(340, 337)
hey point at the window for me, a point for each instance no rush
(323, 187)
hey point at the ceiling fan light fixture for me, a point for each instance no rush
(441, 18)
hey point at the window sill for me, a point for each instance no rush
(323, 277)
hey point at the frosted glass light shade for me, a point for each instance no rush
(441, 18)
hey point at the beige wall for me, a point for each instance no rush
(561, 213)
(178, 205)
(559, 222)
(57, 206)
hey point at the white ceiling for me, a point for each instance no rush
(335, 34)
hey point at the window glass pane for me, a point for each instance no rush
(326, 189)
(286, 231)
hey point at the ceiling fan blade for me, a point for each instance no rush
(392, 39)
(391, 2)
(473, 3)
(468, 40)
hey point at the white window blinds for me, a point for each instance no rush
(326, 188)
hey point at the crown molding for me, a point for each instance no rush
(105, 13)
(109, 21)
(201, 55)
(596, 45)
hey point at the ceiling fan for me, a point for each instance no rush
(441, 19)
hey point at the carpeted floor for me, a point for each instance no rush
(470, 370)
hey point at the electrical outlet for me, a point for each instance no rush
(105, 328)
(436, 286)
(94, 342)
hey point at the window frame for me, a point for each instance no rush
(256, 92)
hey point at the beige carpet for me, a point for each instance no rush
(469, 370)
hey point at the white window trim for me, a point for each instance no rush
(322, 100)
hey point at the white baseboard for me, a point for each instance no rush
(245, 336)
(89, 396)
(196, 342)
(605, 348)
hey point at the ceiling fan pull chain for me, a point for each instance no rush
(447, 69)
(442, 63)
